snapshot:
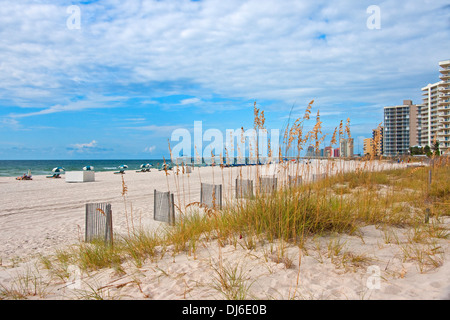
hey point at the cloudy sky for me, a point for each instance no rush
(112, 79)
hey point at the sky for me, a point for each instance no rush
(113, 79)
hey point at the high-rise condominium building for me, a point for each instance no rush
(402, 124)
(346, 147)
(377, 137)
(429, 114)
(369, 146)
(435, 113)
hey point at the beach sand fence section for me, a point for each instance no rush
(211, 195)
(294, 181)
(164, 207)
(267, 185)
(244, 188)
(99, 223)
(318, 176)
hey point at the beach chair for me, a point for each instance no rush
(165, 166)
(54, 176)
(57, 172)
(121, 169)
(144, 168)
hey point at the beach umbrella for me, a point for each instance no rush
(124, 166)
(147, 165)
(88, 168)
(58, 169)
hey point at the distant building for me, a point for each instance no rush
(346, 147)
(317, 152)
(328, 152)
(435, 114)
(420, 125)
(369, 146)
(377, 135)
(310, 153)
(336, 152)
(401, 128)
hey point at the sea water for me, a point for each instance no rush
(13, 168)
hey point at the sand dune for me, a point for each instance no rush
(39, 216)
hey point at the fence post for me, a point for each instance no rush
(211, 195)
(244, 190)
(164, 207)
(98, 222)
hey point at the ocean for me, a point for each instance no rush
(13, 168)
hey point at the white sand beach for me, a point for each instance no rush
(39, 216)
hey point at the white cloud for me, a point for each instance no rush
(10, 123)
(91, 144)
(89, 147)
(150, 149)
(236, 49)
(90, 102)
(154, 128)
(190, 101)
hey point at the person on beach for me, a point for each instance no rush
(24, 177)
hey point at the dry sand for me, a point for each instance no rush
(39, 216)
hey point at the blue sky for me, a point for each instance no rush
(136, 70)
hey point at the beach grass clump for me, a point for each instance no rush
(187, 232)
(59, 264)
(139, 246)
(231, 280)
(97, 255)
(288, 215)
(27, 283)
